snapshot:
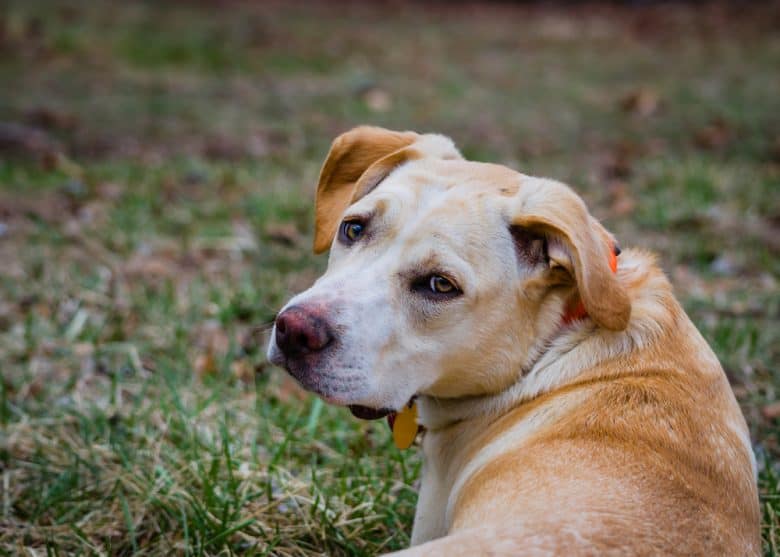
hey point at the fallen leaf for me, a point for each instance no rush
(211, 337)
(205, 364)
(283, 233)
(771, 411)
(715, 135)
(618, 162)
(243, 370)
(642, 102)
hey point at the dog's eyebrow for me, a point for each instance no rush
(453, 266)
(428, 262)
(367, 214)
(376, 209)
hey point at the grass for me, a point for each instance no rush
(162, 214)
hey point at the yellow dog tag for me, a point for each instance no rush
(405, 426)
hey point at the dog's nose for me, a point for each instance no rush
(299, 331)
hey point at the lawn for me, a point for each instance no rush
(157, 171)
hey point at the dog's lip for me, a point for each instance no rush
(366, 413)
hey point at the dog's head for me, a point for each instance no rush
(446, 277)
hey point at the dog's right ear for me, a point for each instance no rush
(351, 154)
(548, 212)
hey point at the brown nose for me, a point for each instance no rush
(300, 332)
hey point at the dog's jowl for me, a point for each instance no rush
(569, 405)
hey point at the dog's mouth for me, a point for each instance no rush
(366, 413)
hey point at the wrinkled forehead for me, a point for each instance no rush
(455, 190)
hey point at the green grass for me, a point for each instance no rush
(148, 243)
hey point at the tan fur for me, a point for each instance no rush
(617, 435)
(643, 454)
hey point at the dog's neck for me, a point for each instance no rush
(563, 356)
(438, 413)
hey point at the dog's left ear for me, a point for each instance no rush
(578, 243)
(350, 156)
(358, 160)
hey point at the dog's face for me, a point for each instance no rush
(444, 275)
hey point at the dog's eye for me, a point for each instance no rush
(351, 231)
(441, 285)
(436, 287)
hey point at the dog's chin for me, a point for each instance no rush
(302, 372)
(338, 393)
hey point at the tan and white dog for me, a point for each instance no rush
(568, 409)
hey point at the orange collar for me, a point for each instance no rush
(576, 309)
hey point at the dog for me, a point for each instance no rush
(569, 405)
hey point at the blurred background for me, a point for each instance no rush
(157, 169)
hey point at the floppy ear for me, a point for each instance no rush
(578, 243)
(351, 154)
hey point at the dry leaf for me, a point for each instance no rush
(243, 370)
(715, 135)
(205, 364)
(283, 233)
(618, 163)
(642, 102)
(212, 343)
(771, 411)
